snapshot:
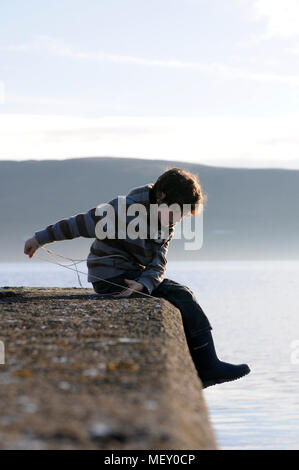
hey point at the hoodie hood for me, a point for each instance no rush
(140, 193)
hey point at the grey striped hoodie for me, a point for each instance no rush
(112, 257)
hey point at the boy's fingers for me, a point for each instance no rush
(125, 293)
(30, 252)
(116, 295)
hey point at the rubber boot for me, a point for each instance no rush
(210, 369)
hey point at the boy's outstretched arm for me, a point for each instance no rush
(80, 225)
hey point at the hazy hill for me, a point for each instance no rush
(249, 214)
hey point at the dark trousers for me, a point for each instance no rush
(194, 319)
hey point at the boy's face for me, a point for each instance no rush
(169, 217)
(166, 215)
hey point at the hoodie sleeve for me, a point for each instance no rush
(80, 225)
(154, 272)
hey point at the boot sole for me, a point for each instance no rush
(209, 383)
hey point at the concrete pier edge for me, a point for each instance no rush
(85, 373)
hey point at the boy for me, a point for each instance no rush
(126, 267)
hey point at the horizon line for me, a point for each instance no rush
(182, 162)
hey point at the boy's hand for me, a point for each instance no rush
(31, 246)
(137, 286)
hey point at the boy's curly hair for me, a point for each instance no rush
(181, 187)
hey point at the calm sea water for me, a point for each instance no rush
(254, 310)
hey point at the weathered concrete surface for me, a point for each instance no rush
(86, 373)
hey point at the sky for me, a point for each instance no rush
(207, 81)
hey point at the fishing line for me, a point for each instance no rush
(74, 262)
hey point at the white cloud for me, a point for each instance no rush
(226, 140)
(57, 47)
(279, 20)
(282, 17)
(14, 98)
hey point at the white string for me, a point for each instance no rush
(75, 262)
